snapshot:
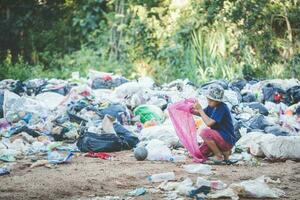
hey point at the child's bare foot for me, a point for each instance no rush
(226, 154)
(217, 159)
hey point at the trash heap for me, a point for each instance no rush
(47, 120)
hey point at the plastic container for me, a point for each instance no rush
(168, 176)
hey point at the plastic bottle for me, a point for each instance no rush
(178, 158)
(162, 177)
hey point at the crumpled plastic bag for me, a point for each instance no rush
(257, 188)
(165, 133)
(14, 104)
(127, 89)
(50, 99)
(182, 188)
(158, 150)
(271, 146)
(185, 187)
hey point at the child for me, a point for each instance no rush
(219, 137)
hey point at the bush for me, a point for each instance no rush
(20, 70)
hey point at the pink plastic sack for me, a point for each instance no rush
(184, 124)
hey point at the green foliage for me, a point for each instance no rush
(20, 70)
(166, 39)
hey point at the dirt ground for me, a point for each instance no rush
(89, 178)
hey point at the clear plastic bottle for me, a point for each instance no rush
(162, 177)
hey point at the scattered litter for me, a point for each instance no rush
(102, 155)
(185, 187)
(56, 158)
(168, 176)
(256, 188)
(158, 150)
(198, 169)
(39, 163)
(4, 171)
(214, 184)
(137, 192)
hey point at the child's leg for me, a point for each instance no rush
(214, 148)
(226, 154)
(208, 138)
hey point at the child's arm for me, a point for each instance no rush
(207, 120)
(200, 112)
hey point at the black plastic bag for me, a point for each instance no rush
(276, 130)
(258, 122)
(237, 127)
(270, 91)
(18, 87)
(240, 84)
(93, 142)
(248, 97)
(76, 119)
(117, 111)
(25, 129)
(298, 111)
(258, 106)
(64, 90)
(130, 141)
(294, 94)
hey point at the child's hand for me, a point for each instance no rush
(197, 106)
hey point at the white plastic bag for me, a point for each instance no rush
(10, 98)
(158, 150)
(127, 89)
(50, 99)
(165, 133)
(271, 146)
(146, 82)
(14, 104)
(185, 187)
(258, 188)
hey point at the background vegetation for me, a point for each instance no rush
(166, 39)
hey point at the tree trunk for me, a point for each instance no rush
(290, 38)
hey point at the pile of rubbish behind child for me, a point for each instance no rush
(48, 120)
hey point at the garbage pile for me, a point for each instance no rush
(106, 113)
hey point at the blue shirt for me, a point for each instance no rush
(223, 125)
